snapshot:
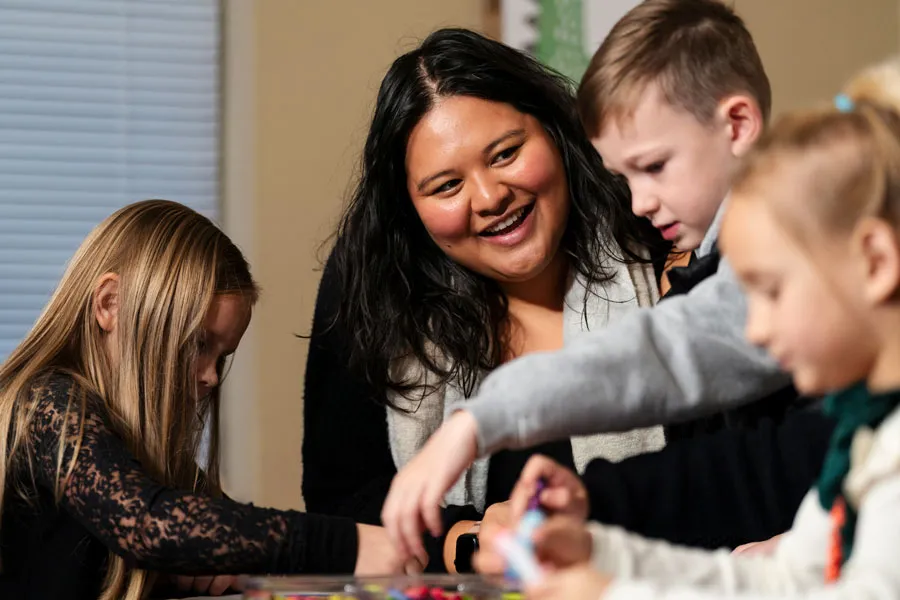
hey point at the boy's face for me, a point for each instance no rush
(679, 170)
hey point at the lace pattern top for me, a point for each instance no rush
(155, 527)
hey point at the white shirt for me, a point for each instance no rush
(646, 569)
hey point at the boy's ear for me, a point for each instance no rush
(878, 248)
(106, 302)
(744, 122)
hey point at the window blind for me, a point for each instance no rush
(102, 103)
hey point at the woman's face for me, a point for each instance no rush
(490, 187)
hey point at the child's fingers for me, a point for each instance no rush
(563, 541)
(220, 584)
(414, 566)
(557, 499)
(537, 468)
(430, 509)
(744, 548)
(201, 584)
(392, 517)
(410, 528)
(185, 583)
(487, 559)
(488, 563)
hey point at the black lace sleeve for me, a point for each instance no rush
(161, 528)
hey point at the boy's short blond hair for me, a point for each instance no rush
(697, 51)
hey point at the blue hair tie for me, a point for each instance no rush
(843, 103)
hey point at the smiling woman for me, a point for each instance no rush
(483, 227)
(484, 211)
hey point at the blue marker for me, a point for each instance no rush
(533, 518)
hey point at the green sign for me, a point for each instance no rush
(561, 37)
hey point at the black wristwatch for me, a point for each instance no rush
(466, 546)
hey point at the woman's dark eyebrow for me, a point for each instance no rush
(421, 185)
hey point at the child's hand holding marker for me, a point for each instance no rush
(514, 550)
(536, 545)
(552, 487)
(559, 543)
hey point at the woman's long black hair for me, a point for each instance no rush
(400, 292)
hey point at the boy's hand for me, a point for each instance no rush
(564, 493)
(414, 500)
(576, 583)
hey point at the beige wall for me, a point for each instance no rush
(300, 77)
(811, 47)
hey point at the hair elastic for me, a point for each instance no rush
(843, 103)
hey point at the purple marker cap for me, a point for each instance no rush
(535, 502)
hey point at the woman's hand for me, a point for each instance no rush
(414, 500)
(563, 494)
(576, 583)
(378, 556)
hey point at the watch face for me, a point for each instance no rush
(466, 546)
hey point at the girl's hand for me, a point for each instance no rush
(378, 556)
(764, 548)
(576, 583)
(563, 494)
(562, 542)
(208, 586)
(415, 497)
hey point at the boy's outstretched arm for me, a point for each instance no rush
(679, 360)
(682, 359)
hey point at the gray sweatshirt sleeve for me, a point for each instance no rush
(682, 359)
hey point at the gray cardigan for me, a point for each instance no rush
(632, 287)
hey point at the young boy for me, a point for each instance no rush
(673, 100)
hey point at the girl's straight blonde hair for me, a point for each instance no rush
(171, 263)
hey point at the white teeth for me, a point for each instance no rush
(507, 222)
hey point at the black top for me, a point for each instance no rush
(715, 490)
(109, 503)
(347, 461)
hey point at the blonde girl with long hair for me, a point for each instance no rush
(102, 409)
(813, 232)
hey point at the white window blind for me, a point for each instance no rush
(102, 103)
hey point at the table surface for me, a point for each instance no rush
(237, 597)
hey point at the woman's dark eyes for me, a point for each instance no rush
(506, 154)
(446, 186)
(451, 184)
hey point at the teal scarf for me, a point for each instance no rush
(852, 408)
